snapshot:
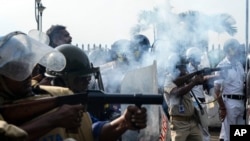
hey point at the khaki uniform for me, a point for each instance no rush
(11, 132)
(183, 125)
(198, 91)
(59, 134)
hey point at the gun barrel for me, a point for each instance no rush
(210, 70)
(224, 68)
(125, 98)
(220, 68)
(18, 113)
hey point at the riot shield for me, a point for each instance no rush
(144, 80)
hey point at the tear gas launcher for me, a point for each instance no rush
(205, 71)
(18, 113)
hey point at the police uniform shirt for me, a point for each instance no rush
(174, 101)
(11, 132)
(233, 79)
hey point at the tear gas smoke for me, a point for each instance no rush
(174, 34)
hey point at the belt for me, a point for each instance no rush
(181, 118)
(237, 97)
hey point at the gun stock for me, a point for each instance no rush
(19, 113)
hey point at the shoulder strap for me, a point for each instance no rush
(199, 105)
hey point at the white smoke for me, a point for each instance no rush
(174, 33)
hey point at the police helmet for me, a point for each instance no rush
(141, 41)
(174, 61)
(77, 62)
(194, 54)
(121, 50)
(19, 53)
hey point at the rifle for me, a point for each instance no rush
(18, 113)
(205, 71)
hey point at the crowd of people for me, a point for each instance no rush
(31, 70)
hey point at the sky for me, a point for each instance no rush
(105, 21)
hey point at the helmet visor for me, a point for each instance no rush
(20, 53)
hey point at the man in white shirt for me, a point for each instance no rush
(230, 89)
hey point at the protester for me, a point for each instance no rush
(22, 53)
(229, 89)
(183, 121)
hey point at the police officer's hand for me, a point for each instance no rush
(136, 118)
(222, 113)
(199, 79)
(68, 116)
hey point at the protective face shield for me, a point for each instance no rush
(78, 72)
(121, 51)
(173, 62)
(141, 45)
(20, 53)
(77, 63)
(99, 56)
(141, 41)
(39, 36)
(194, 55)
